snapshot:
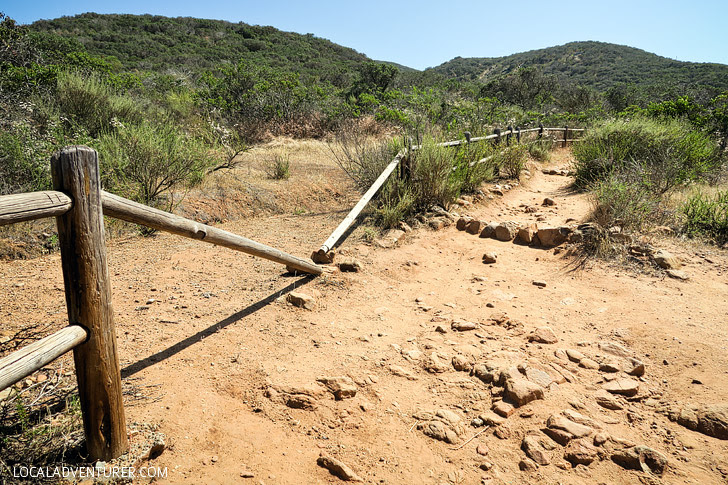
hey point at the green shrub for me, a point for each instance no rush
(278, 167)
(397, 203)
(511, 161)
(619, 201)
(541, 149)
(142, 161)
(707, 216)
(658, 154)
(432, 180)
(24, 161)
(475, 163)
(89, 103)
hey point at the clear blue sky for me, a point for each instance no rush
(422, 34)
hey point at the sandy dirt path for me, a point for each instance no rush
(219, 356)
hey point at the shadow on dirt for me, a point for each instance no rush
(138, 366)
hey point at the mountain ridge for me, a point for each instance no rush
(599, 65)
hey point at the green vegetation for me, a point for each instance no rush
(279, 167)
(625, 74)
(658, 154)
(632, 168)
(706, 216)
(166, 100)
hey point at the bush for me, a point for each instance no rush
(475, 163)
(431, 179)
(362, 158)
(512, 160)
(658, 154)
(707, 216)
(24, 161)
(278, 167)
(142, 161)
(619, 201)
(91, 105)
(541, 149)
(397, 203)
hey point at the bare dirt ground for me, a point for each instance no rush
(219, 357)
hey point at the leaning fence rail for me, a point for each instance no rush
(325, 255)
(79, 205)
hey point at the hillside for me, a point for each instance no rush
(598, 65)
(156, 43)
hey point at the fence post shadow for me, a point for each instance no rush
(140, 365)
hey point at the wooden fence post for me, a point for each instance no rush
(518, 134)
(497, 132)
(540, 131)
(509, 135)
(75, 172)
(566, 132)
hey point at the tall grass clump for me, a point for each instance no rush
(541, 149)
(620, 201)
(511, 161)
(475, 163)
(659, 154)
(432, 178)
(278, 166)
(362, 157)
(706, 216)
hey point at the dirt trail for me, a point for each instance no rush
(216, 352)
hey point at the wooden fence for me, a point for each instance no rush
(79, 205)
(324, 254)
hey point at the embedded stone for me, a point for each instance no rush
(624, 386)
(531, 445)
(543, 335)
(521, 391)
(489, 258)
(550, 237)
(666, 260)
(475, 226)
(506, 231)
(302, 300)
(342, 387)
(463, 222)
(580, 452)
(641, 458)
(489, 230)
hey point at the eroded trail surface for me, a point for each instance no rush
(442, 369)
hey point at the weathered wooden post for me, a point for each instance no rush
(75, 172)
(518, 134)
(540, 131)
(497, 134)
(467, 136)
(508, 136)
(566, 132)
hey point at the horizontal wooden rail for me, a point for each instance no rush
(29, 359)
(352, 215)
(562, 129)
(130, 211)
(33, 205)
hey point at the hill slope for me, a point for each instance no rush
(156, 43)
(595, 64)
